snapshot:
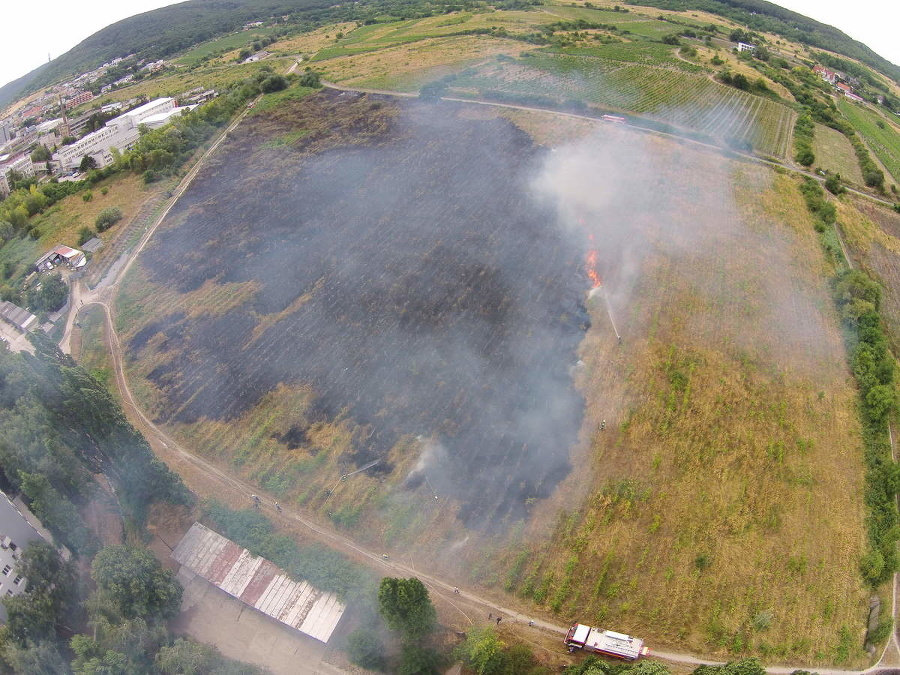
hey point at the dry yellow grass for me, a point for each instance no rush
(62, 222)
(407, 66)
(728, 483)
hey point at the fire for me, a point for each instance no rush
(590, 264)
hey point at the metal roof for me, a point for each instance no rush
(259, 583)
(20, 318)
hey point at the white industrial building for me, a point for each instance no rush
(18, 528)
(120, 133)
(20, 164)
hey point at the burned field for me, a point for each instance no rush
(402, 275)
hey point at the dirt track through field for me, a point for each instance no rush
(208, 480)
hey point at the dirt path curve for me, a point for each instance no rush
(210, 480)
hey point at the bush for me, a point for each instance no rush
(273, 84)
(107, 218)
(834, 185)
(87, 196)
(310, 79)
(85, 234)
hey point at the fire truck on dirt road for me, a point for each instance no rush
(606, 642)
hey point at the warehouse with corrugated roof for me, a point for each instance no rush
(258, 583)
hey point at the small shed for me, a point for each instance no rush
(92, 245)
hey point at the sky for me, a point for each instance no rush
(55, 26)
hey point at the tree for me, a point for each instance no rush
(57, 512)
(49, 295)
(85, 234)
(740, 81)
(41, 154)
(749, 666)
(880, 400)
(41, 658)
(92, 659)
(365, 648)
(417, 659)
(87, 163)
(405, 606)
(273, 83)
(482, 651)
(136, 583)
(805, 155)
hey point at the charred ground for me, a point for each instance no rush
(403, 272)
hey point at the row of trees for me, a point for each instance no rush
(858, 298)
(58, 427)
(804, 130)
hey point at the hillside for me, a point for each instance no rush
(547, 300)
(166, 31)
(760, 15)
(161, 33)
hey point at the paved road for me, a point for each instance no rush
(217, 480)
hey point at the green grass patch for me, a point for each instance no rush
(17, 256)
(270, 101)
(324, 568)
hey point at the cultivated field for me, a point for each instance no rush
(398, 295)
(689, 101)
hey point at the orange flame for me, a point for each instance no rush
(590, 264)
